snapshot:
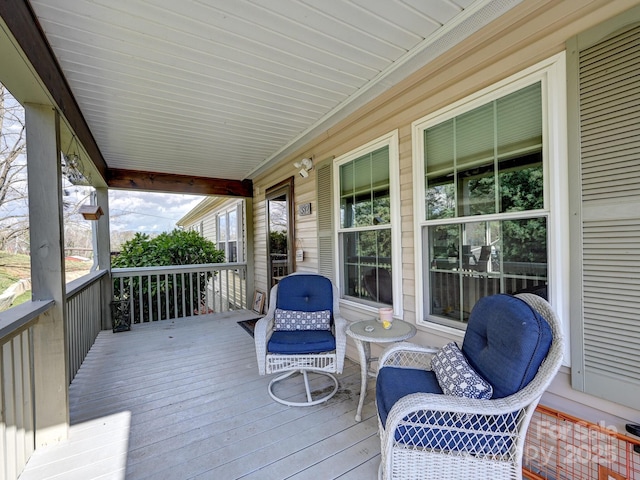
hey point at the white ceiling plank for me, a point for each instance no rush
(229, 86)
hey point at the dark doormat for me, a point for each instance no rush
(249, 325)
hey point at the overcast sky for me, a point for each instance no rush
(148, 212)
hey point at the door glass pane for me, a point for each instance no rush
(280, 230)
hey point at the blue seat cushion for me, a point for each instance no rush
(446, 431)
(305, 293)
(301, 342)
(505, 342)
(394, 383)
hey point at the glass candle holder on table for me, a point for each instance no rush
(386, 317)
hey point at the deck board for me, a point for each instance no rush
(182, 399)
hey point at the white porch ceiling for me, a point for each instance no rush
(223, 88)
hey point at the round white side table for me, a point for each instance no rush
(363, 336)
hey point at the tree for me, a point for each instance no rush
(13, 190)
(178, 247)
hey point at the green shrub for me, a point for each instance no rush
(177, 247)
(178, 295)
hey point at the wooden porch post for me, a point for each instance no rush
(104, 255)
(51, 379)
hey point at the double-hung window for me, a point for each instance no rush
(227, 233)
(485, 215)
(368, 212)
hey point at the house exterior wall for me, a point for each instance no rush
(528, 34)
(203, 218)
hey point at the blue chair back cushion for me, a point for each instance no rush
(301, 342)
(305, 293)
(505, 342)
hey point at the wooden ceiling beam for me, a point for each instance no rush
(172, 183)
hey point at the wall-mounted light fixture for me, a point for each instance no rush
(304, 166)
(91, 212)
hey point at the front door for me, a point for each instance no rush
(280, 239)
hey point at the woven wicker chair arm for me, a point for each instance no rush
(340, 326)
(406, 354)
(457, 405)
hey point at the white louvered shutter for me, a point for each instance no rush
(608, 363)
(325, 219)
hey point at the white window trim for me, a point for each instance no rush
(238, 208)
(388, 140)
(552, 73)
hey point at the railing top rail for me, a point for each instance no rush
(83, 282)
(21, 315)
(129, 271)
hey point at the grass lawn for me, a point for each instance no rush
(18, 267)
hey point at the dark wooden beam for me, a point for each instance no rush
(24, 26)
(169, 182)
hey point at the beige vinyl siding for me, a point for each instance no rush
(205, 216)
(529, 33)
(606, 114)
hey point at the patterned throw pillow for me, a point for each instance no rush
(455, 375)
(291, 320)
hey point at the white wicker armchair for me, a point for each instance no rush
(438, 436)
(301, 351)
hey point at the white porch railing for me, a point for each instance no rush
(84, 316)
(17, 385)
(160, 293)
(18, 348)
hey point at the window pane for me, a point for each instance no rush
(438, 148)
(380, 186)
(363, 206)
(346, 195)
(367, 269)
(439, 163)
(444, 243)
(474, 137)
(476, 191)
(507, 256)
(520, 120)
(364, 190)
(525, 255)
(507, 132)
(222, 228)
(441, 198)
(233, 252)
(521, 183)
(233, 225)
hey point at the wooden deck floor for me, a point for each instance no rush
(183, 399)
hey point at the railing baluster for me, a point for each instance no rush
(191, 309)
(187, 289)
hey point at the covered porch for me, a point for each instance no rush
(182, 398)
(143, 97)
